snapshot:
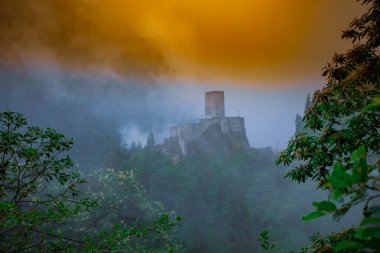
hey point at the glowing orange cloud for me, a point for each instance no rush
(243, 41)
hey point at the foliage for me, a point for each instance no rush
(342, 154)
(122, 238)
(265, 243)
(122, 201)
(336, 114)
(225, 200)
(335, 242)
(39, 193)
(350, 188)
(37, 188)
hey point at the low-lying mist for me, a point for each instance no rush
(134, 107)
(224, 200)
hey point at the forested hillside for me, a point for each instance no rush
(203, 189)
(72, 181)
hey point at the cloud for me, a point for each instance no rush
(77, 33)
(273, 42)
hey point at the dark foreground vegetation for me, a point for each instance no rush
(42, 208)
(338, 147)
(134, 199)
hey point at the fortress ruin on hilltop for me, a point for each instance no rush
(185, 137)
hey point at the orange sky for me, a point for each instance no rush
(242, 41)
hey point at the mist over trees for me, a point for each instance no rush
(224, 200)
(87, 191)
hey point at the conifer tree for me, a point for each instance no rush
(299, 124)
(150, 141)
(307, 103)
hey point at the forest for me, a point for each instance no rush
(69, 183)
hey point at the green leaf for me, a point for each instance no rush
(312, 215)
(374, 106)
(6, 205)
(370, 220)
(337, 193)
(359, 169)
(347, 245)
(10, 223)
(368, 233)
(325, 206)
(339, 178)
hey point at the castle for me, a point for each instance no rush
(231, 129)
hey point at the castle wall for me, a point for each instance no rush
(173, 131)
(233, 124)
(227, 124)
(185, 133)
(206, 123)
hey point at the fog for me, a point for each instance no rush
(134, 107)
(103, 112)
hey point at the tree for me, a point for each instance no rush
(299, 124)
(337, 114)
(307, 103)
(39, 194)
(38, 190)
(123, 202)
(151, 143)
(342, 154)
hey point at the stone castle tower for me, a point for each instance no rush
(214, 107)
(231, 128)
